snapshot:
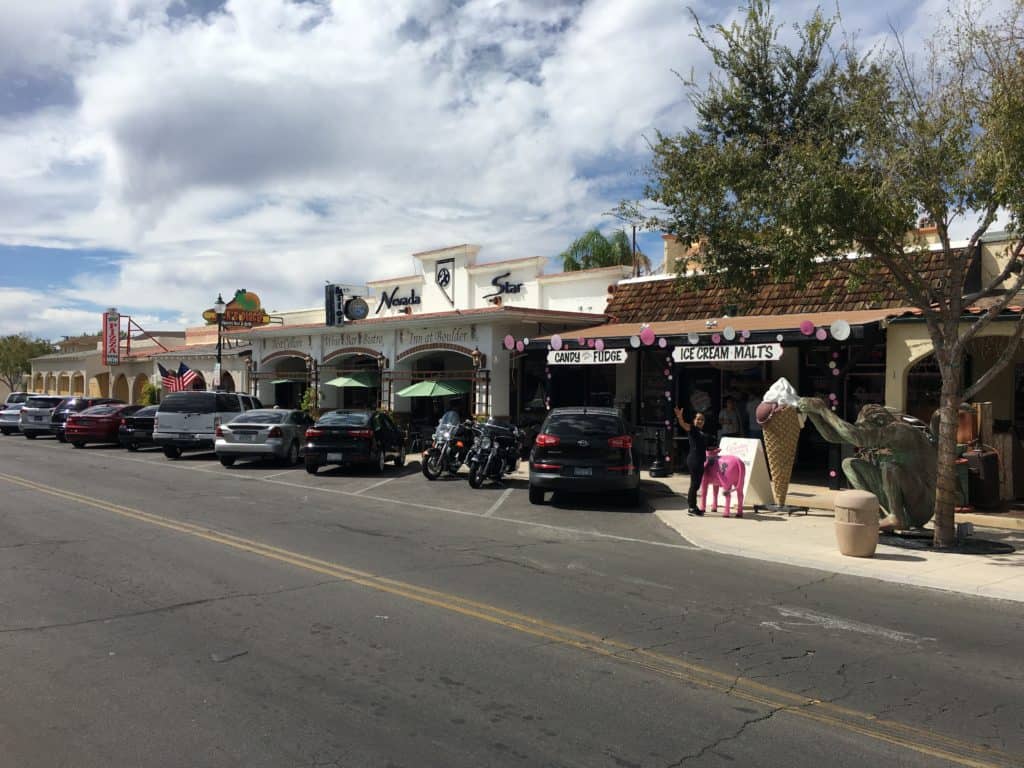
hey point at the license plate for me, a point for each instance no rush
(37, 418)
(334, 457)
(584, 471)
(247, 438)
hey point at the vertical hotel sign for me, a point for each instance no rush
(112, 337)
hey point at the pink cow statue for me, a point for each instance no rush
(725, 472)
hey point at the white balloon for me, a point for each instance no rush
(729, 332)
(840, 330)
(634, 342)
(693, 337)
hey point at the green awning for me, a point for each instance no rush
(434, 388)
(287, 381)
(357, 379)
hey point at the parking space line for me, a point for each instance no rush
(374, 485)
(501, 500)
(276, 474)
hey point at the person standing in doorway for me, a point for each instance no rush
(729, 424)
(696, 457)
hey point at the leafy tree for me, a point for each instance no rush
(150, 394)
(592, 249)
(805, 152)
(16, 353)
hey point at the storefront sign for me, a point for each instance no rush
(728, 353)
(392, 299)
(757, 484)
(457, 335)
(587, 357)
(444, 278)
(333, 341)
(112, 337)
(334, 304)
(243, 311)
(289, 342)
(503, 286)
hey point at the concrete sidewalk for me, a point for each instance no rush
(809, 541)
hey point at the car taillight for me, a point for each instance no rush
(216, 422)
(275, 432)
(156, 422)
(622, 441)
(218, 432)
(545, 441)
(124, 422)
(624, 468)
(547, 467)
(360, 433)
(312, 432)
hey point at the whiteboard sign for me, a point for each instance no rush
(727, 353)
(586, 357)
(757, 485)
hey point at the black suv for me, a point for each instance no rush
(74, 405)
(583, 450)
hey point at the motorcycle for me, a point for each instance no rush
(495, 453)
(449, 446)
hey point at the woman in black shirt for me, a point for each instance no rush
(696, 457)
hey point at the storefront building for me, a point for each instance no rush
(443, 328)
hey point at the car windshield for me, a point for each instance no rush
(570, 426)
(102, 410)
(189, 402)
(149, 410)
(44, 402)
(260, 417)
(19, 398)
(345, 419)
(14, 406)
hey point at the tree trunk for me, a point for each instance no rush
(947, 492)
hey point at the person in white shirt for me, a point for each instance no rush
(729, 424)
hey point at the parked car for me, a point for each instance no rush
(75, 405)
(36, 415)
(263, 433)
(136, 429)
(188, 421)
(583, 450)
(10, 418)
(354, 437)
(16, 398)
(98, 424)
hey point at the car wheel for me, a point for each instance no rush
(293, 455)
(78, 444)
(5, 431)
(633, 498)
(400, 458)
(133, 446)
(30, 435)
(536, 495)
(227, 461)
(172, 452)
(382, 459)
(311, 466)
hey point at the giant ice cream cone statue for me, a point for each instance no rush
(781, 422)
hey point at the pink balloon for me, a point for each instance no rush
(745, 334)
(580, 341)
(821, 334)
(510, 342)
(716, 338)
(835, 371)
(647, 336)
(556, 342)
(662, 342)
(806, 327)
(590, 343)
(599, 345)
(520, 346)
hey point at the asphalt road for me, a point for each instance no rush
(170, 613)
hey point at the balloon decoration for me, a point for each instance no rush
(647, 335)
(556, 342)
(693, 337)
(840, 330)
(599, 344)
(807, 328)
(634, 342)
(526, 342)
(580, 341)
(744, 334)
(663, 342)
(510, 342)
(779, 337)
(716, 338)
(729, 332)
(821, 334)
(520, 347)
(590, 343)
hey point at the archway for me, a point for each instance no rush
(38, 383)
(451, 365)
(227, 382)
(357, 377)
(120, 390)
(50, 384)
(198, 383)
(137, 386)
(290, 380)
(99, 385)
(64, 384)
(78, 384)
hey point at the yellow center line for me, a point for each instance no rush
(905, 736)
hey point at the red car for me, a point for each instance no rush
(98, 424)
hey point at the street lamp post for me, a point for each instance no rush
(218, 308)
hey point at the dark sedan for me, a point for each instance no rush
(75, 405)
(585, 450)
(99, 424)
(136, 429)
(354, 437)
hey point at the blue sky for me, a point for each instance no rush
(156, 152)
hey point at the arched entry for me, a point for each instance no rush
(38, 383)
(50, 384)
(78, 384)
(99, 385)
(64, 384)
(350, 378)
(137, 386)
(449, 364)
(924, 385)
(227, 382)
(198, 383)
(120, 390)
(283, 379)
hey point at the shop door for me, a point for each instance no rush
(583, 385)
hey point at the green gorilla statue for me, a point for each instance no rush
(895, 460)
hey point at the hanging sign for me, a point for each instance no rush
(112, 337)
(334, 304)
(727, 353)
(243, 311)
(587, 357)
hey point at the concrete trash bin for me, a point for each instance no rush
(856, 523)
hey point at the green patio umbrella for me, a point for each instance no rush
(358, 380)
(434, 388)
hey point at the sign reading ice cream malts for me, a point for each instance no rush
(728, 353)
(586, 357)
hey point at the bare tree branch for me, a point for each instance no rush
(1008, 353)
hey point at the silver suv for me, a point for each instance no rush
(188, 421)
(37, 414)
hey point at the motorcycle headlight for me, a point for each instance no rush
(485, 442)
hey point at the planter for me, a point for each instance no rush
(856, 523)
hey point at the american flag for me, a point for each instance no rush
(176, 382)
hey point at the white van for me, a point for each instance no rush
(188, 421)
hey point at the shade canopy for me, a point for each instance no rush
(288, 381)
(435, 388)
(356, 380)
